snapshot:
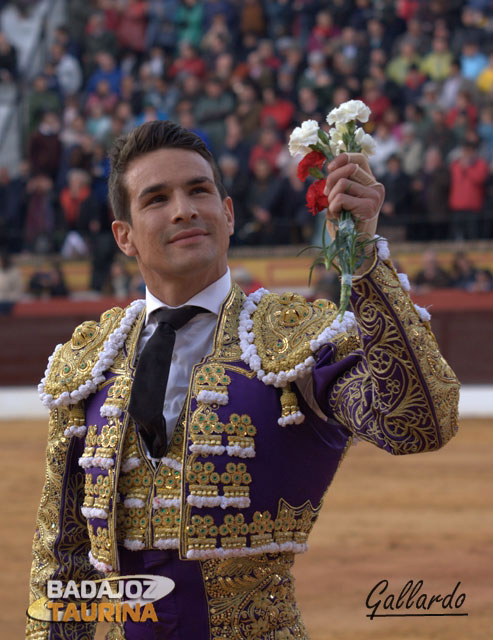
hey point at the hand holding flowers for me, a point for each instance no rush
(350, 193)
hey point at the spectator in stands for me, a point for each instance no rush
(119, 280)
(286, 203)
(45, 148)
(12, 198)
(386, 146)
(189, 19)
(463, 272)
(8, 60)
(41, 215)
(451, 86)
(49, 282)
(108, 70)
(212, 108)
(236, 183)
(398, 67)
(103, 97)
(397, 190)
(132, 26)
(485, 131)
(248, 109)
(188, 62)
(11, 285)
(432, 275)
(376, 100)
(258, 228)
(468, 175)
(40, 100)
(276, 111)
(234, 143)
(411, 150)
(431, 188)
(437, 63)
(483, 282)
(268, 147)
(472, 60)
(73, 195)
(98, 38)
(470, 31)
(67, 70)
(324, 30)
(484, 81)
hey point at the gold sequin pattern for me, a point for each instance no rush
(252, 598)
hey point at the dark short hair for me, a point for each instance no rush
(151, 136)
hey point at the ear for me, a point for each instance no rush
(229, 213)
(123, 233)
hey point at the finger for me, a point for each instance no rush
(337, 174)
(348, 158)
(362, 207)
(353, 189)
(363, 177)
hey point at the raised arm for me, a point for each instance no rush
(389, 385)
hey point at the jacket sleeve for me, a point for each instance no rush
(61, 541)
(388, 384)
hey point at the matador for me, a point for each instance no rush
(264, 396)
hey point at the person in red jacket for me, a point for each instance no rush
(468, 175)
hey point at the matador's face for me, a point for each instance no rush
(180, 225)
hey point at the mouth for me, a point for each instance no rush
(187, 236)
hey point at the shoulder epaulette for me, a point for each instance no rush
(75, 369)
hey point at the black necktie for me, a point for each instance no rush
(151, 377)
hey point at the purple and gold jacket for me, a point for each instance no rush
(269, 415)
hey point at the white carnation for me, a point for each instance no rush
(349, 111)
(365, 141)
(302, 137)
(336, 142)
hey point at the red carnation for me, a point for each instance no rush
(312, 159)
(316, 200)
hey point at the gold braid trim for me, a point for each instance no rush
(73, 362)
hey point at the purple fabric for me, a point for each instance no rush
(182, 614)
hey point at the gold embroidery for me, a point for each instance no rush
(252, 598)
(61, 531)
(399, 415)
(119, 392)
(291, 524)
(73, 362)
(98, 495)
(240, 430)
(100, 543)
(283, 327)
(211, 378)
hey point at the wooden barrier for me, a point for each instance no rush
(462, 322)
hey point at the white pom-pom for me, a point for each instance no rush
(423, 313)
(404, 280)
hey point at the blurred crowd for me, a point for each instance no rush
(242, 74)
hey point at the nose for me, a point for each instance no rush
(184, 208)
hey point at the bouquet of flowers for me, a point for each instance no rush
(318, 147)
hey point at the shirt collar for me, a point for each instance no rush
(210, 298)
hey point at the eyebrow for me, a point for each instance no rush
(161, 186)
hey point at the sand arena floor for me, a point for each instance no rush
(423, 517)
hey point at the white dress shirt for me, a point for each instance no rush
(193, 342)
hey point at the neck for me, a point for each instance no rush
(179, 290)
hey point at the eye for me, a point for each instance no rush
(200, 189)
(157, 199)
